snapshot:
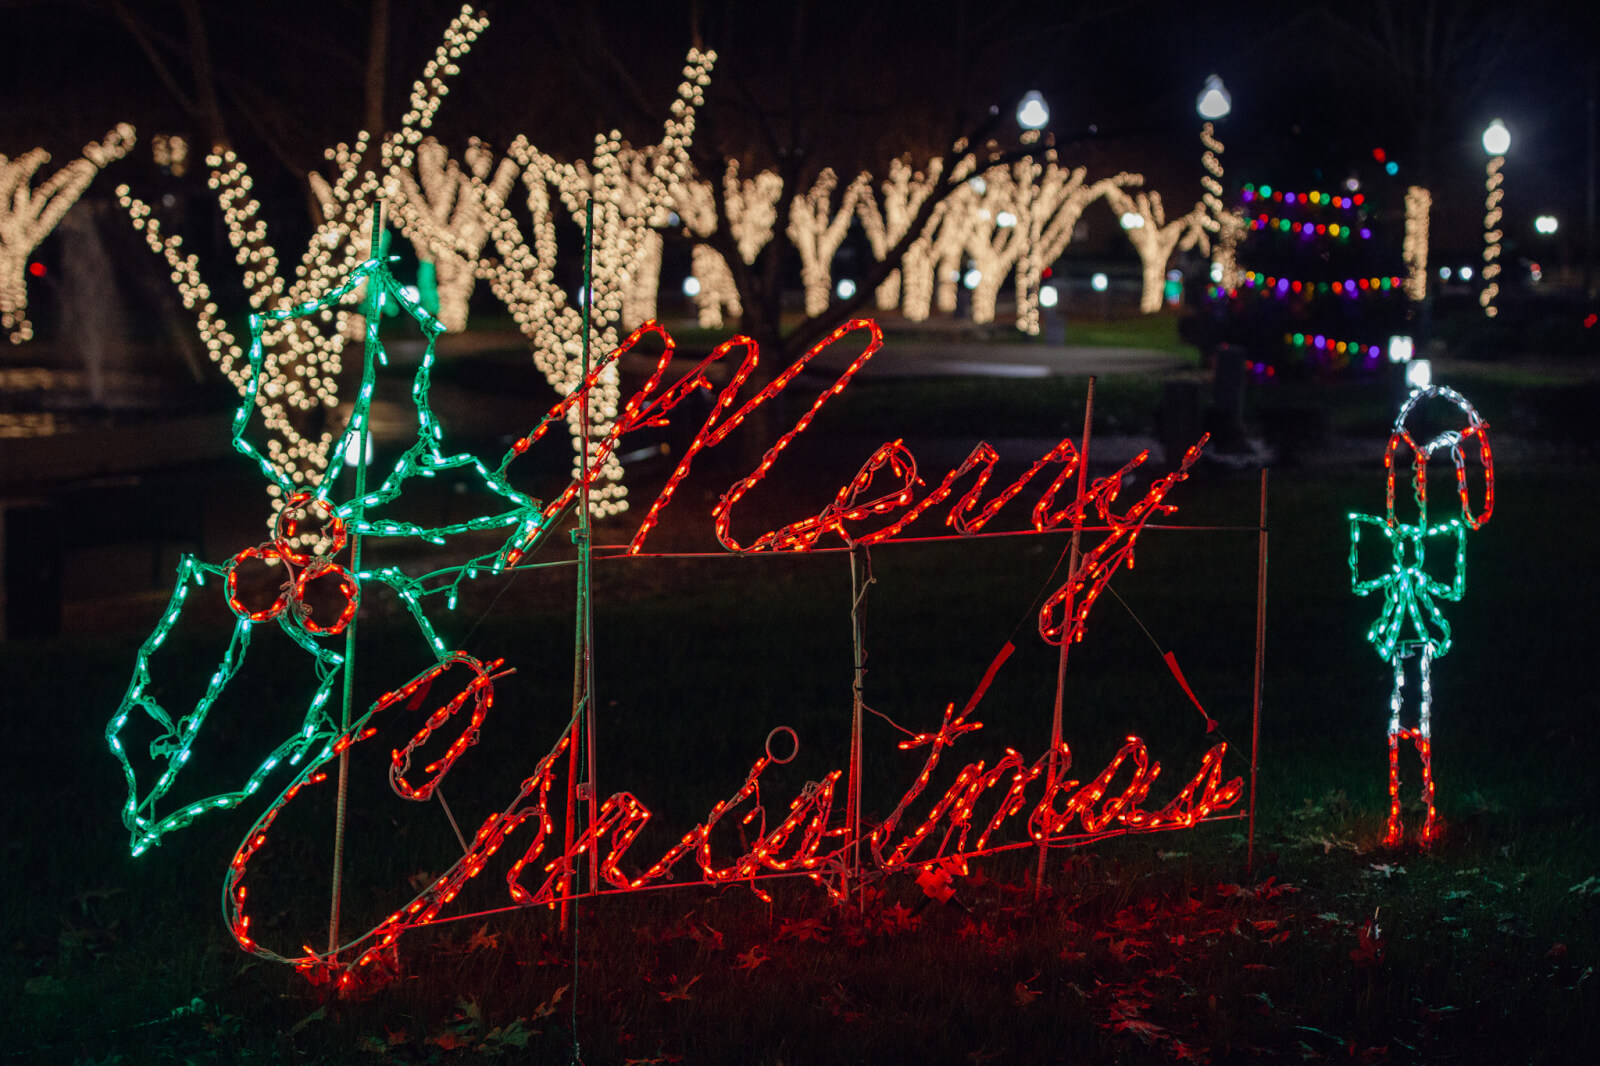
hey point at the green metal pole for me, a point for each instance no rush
(371, 309)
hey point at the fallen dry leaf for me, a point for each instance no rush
(681, 991)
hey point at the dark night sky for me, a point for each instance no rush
(869, 80)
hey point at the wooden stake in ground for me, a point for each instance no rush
(1052, 774)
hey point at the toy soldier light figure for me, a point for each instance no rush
(1412, 625)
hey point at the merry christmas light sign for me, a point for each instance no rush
(308, 579)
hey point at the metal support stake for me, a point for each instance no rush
(860, 579)
(1054, 770)
(583, 653)
(372, 310)
(1261, 648)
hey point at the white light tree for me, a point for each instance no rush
(903, 193)
(29, 212)
(752, 218)
(817, 229)
(1144, 220)
(1060, 203)
(631, 190)
(440, 209)
(1000, 229)
(302, 357)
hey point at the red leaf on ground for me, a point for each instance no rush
(804, 929)
(681, 991)
(1149, 1032)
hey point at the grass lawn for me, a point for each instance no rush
(1154, 948)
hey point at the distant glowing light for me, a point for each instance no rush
(1419, 374)
(1048, 297)
(1400, 348)
(1214, 101)
(1545, 224)
(1465, 273)
(1033, 113)
(1496, 139)
(845, 289)
(1132, 220)
(691, 286)
(971, 278)
(1445, 273)
(1099, 282)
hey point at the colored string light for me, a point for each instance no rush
(1337, 354)
(1306, 229)
(1412, 624)
(1265, 285)
(1265, 193)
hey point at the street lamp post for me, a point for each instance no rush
(1496, 141)
(1213, 104)
(1033, 115)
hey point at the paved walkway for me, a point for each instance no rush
(902, 358)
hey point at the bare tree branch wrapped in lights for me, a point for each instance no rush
(817, 230)
(27, 215)
(752, 216)
(1062, 198)
(441, 211)
(1225, 226)
(1415, 247)
(903, 193)
(1144, 219)
(302, 356)
(631, 190)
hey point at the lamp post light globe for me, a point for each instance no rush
(1496, 139)
(1214, 101)
(1032, 112)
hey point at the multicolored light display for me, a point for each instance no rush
(1339, 353)
(1412, 624)
(1301, 228)
(1252, 193)
(1286, 288)
(308, 580)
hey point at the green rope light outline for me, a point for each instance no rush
(424, 458)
